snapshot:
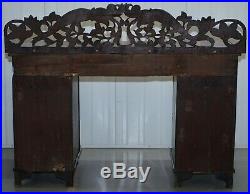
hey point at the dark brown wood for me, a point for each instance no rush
(227, 178)
(46, 124)
(205, 125)
(146, 31)
(125, 65)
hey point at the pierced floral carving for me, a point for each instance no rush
(123, 28)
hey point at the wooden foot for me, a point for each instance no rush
(60, 175)
(69, 178)
(180, 177)
(18, 178)
(20, 175)
(227, 178)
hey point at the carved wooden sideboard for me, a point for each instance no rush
(48, 55)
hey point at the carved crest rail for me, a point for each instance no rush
(123, 28)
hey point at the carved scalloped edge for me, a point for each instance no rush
(66, 34)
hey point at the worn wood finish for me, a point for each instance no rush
(49, 54)
(46, 124)
(205, 125)
(125, 65)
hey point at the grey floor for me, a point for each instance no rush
(161, 178)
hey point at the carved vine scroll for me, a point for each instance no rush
(123, 28)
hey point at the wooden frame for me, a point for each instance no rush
(202, 55)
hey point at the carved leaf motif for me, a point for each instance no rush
(234, 33)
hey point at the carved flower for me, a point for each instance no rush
(225, 32)
(205, 24)
(32, 22)
(18, 31)
(184, 18)
(51, 19)
(76, 35)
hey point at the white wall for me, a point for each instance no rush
(127, 112)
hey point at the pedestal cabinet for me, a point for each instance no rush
(46, 125)
(205, 127)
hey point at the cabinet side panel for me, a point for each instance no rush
(205, 124)
(174, 119)
(75, 117)
(42, 123)
(192, 142)
(223, 111)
